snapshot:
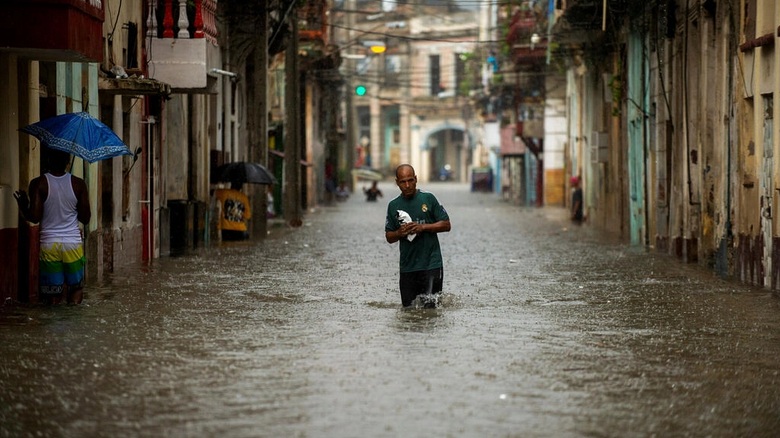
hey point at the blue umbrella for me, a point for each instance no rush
(79, 134)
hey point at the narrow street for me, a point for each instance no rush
(546, 330)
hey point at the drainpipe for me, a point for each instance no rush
(149, 231)
(686, 113)
(730, 94)
(540, 175)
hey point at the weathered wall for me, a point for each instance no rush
(615, 184)
(9, 178)
(176, 147)
(749, 243)
(555, 141)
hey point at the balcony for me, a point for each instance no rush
(53, 30)
(183, 47)
(528, 48)
(313, 24)
(528, 56)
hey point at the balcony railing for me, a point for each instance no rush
(182, 36)
(182, 19)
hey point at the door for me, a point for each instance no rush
(636, 139)
(766, 190)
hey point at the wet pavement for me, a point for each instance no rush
(546, 330)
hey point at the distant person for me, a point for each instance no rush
(58, 201)
(576, 200)
(270, 212)
(342, 193)
(373, 193)
(330, 182)
(415, 218)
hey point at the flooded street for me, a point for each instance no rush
(547, 330)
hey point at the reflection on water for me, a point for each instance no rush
(543, 330)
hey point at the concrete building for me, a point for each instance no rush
(184, 52)
(670, 119)
(417, 65)
(526, 98)
(181, 88)
(57, 57)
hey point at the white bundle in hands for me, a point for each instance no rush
(404, 218)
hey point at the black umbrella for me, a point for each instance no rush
(244, 172)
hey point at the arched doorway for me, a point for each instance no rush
(446, 151)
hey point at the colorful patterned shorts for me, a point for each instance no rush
(60, 264)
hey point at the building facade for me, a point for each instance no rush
(670, 122)
(409, 70)
(176, 82)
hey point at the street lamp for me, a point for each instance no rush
(376, 47)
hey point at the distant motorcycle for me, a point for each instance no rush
(445, 173)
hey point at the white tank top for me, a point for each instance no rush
(60, 218)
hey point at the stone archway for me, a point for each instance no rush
(445, 146)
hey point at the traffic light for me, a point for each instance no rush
(360, 90)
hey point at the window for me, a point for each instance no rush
(392, 70)
(750, 19)
(435, 75)
(460, 74)
(364, 122)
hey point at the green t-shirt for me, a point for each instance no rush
(423, 252)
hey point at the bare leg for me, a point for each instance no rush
(75, 294)
(430, 300)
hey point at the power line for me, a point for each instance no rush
(409, 38)
(458, 3)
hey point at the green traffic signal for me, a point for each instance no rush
(360, 90)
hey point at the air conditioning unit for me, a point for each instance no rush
(599, 147)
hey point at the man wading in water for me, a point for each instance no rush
(415, 218)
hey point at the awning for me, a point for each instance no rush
(584, 14)
(580, 23)
(510, 143)
(133, 86)
(53, 30)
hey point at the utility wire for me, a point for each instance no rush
(459, 3)
(553, 35)
(408, 38)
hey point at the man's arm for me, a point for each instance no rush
(84, 213)
(392, 236)
(436, 227)
(415, 228)
(396, 235)
(31, 206)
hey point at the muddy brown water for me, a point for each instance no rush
(546, 330)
